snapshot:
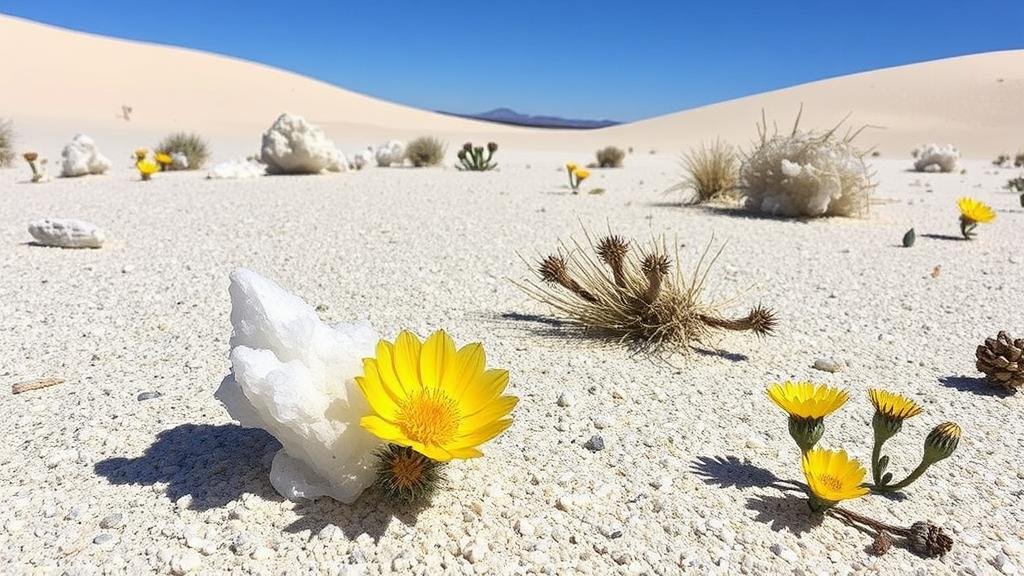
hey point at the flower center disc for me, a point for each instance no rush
(832, 482)
(430, 418)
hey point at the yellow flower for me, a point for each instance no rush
(147, 168)
(164, 159)
(571, 167)
(581, 174)
(975, 211)
(893, 406)
(833, 476)
(438, 401)
(806, 400)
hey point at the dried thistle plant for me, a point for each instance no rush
(638, 295)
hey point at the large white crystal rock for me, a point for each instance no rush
(391, 153)
(935, 158)
(66, 233)
(81, 157)
(236, 169)
(294, 146)
(294, 376)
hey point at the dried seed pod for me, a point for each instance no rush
(928, 540)
(881, 544)
(612, 250)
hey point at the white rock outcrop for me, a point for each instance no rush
(294, 146)
(66, 233)
(179, 161)
(294, 376)
(236, 169)
(81, 157)
(935, 158)
(390, 153)
(362, 159)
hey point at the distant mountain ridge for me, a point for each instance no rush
(509, 116)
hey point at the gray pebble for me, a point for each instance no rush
(112, 521)
(595, 444)
(827, 365)
(102, 538)
(148, 396)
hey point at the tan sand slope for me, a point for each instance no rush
(78, 82)
(972, 101)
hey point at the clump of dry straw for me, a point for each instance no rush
(637, 295)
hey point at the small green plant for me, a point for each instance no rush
(610, 157)
(472, 157)
(1001, 160)
(1016, 184)
(712, 173)
(909, 238)
(190, 145)
(6, 143)
(425, 151)
(1018, 160)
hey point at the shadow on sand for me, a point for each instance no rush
(974, 385)
(215, 465)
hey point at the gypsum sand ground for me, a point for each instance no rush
(94, 480)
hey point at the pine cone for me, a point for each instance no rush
(928, 540)
(1000, 358)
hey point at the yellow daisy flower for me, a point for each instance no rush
(163, 159)
(975, 211)
(581, 174)
(807, 400)
(570, 167)
(833, 477)
(893, 406)
(437, 400)
(147, 168)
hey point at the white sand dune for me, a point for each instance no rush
(131, 466)
(67, 82)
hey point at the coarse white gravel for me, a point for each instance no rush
(132, 467)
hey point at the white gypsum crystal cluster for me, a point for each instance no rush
(806, 174)
(294, 146)
(293, 376)
(935, 158)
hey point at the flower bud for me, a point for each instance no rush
(941, 442)
(492, 147)
(806, 431)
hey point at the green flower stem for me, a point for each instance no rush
(876, 454)
(906, 481)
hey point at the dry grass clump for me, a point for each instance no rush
(191, 145)
(806, 173)
(633, 295)
(6, 144)
(712, 173)
(425, 151)
(610, 157)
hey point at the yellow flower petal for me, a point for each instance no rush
(380, 401)
(466, 453)
(481, 435)
(468, 366)
(484, 389)
(489, 413)
(386, 369)
(381, 428)
(407, 361)
(436, 357)
(833, 476)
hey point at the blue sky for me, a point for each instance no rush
(596, 59)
